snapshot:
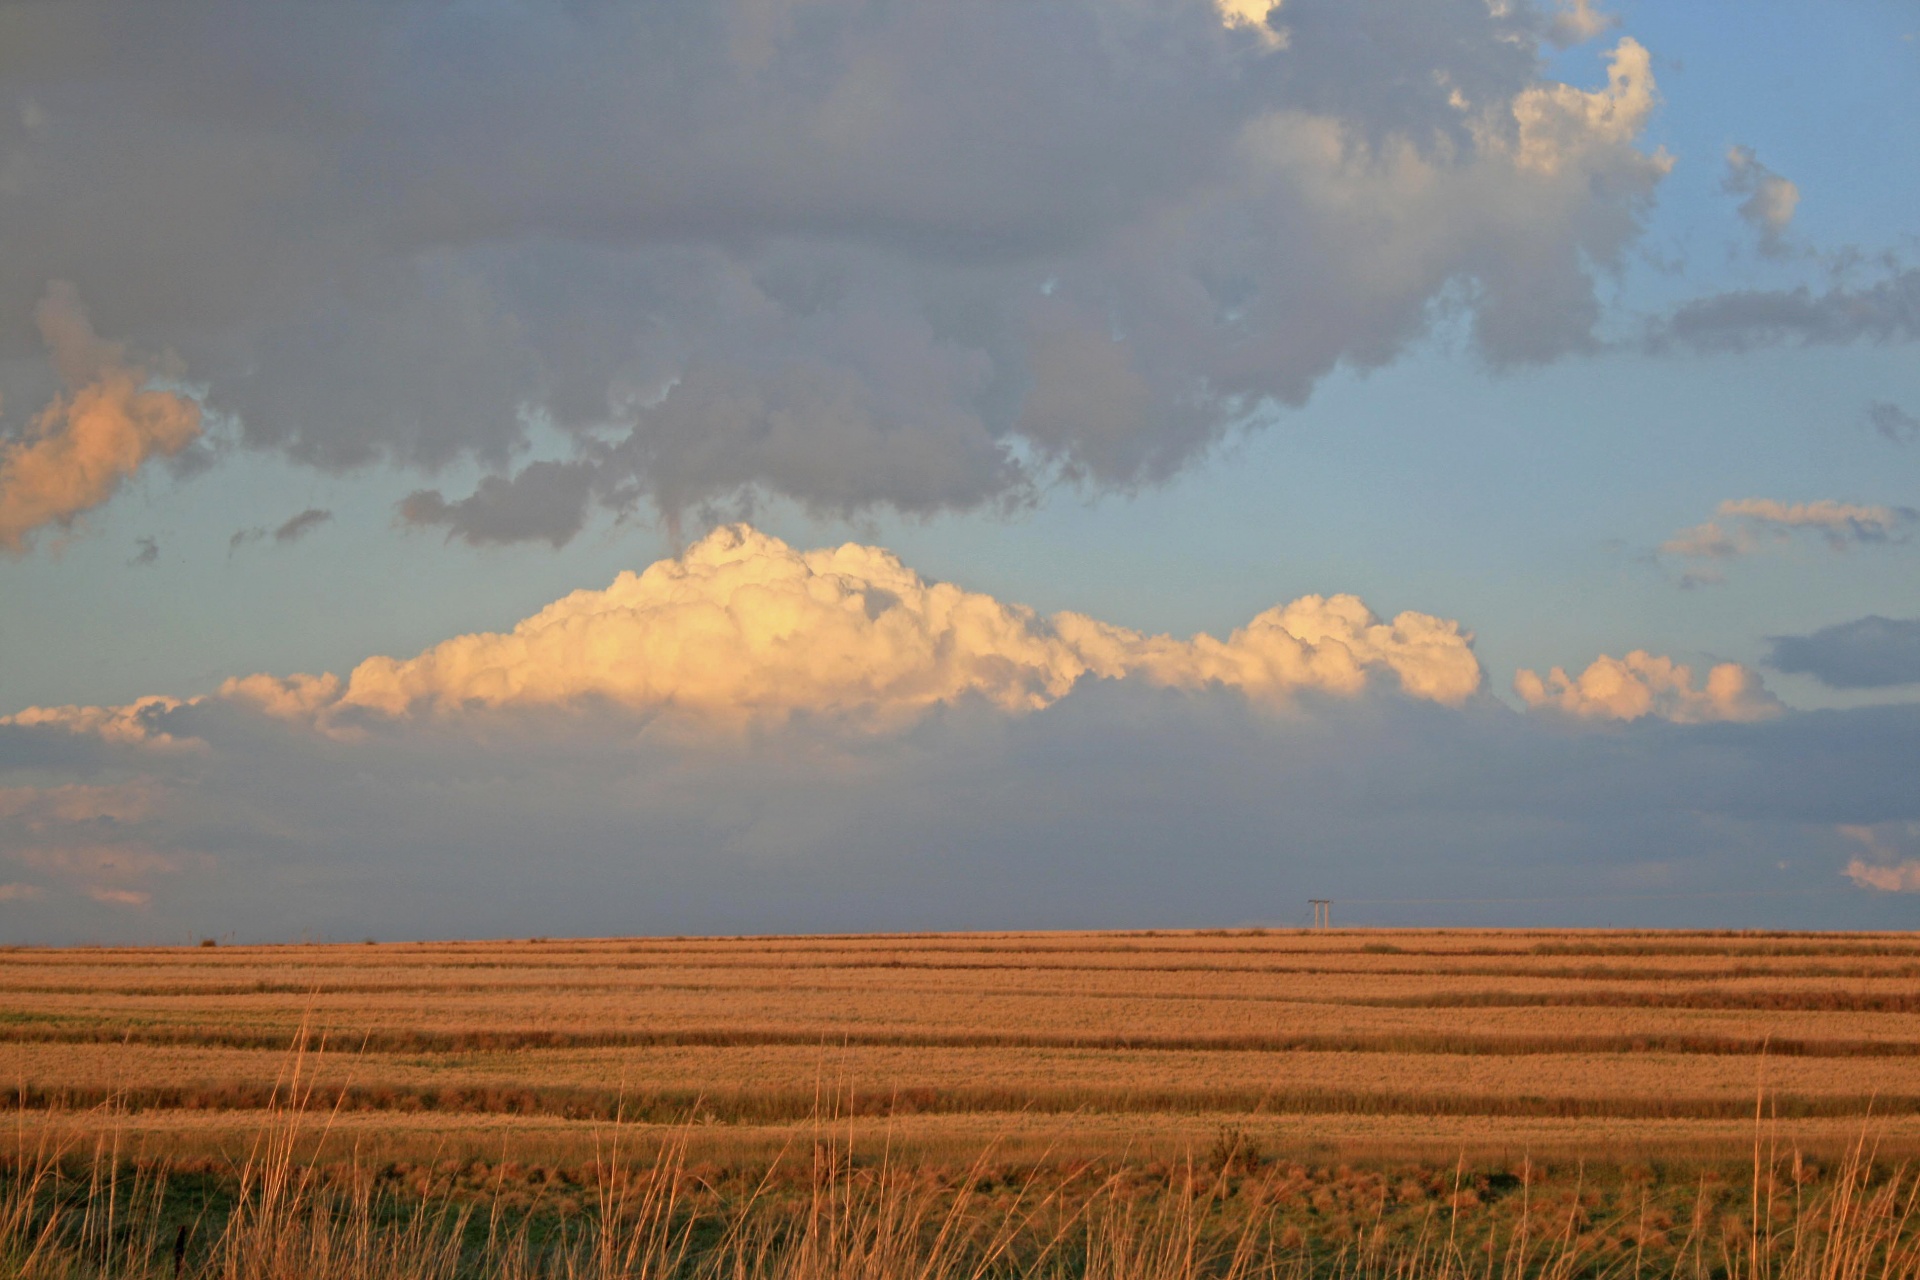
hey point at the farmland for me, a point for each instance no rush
(1327, 1045)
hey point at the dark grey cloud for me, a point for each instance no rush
(1886, 311)
(292, 529)
(1120, 805)
(545, 501)
(299, 526)
(1893, 422)
(857, 253)
(1867, 653)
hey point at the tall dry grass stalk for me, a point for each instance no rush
(70, 1210)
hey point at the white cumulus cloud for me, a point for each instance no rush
(743, 629)
(1647, 684)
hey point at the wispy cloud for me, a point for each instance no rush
(1893, 422)
(292, 529)
(1770, 199)
(40, 809)
(1887, 310)
(1744, 526)
(1892, 856)
(86, 443)
(1578, 21)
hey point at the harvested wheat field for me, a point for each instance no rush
(1330, 1044)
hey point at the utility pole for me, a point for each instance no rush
(1322, 912)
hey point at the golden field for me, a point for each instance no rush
(1337, 1043)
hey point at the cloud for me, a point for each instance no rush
(1646, 684)
(41, 809)
(120, 897)
(1890, 864)
(113, 873)
(744, 629)
(87, 441)
(1252, 15)
(1578, 21)
(1886, 311)
(926, 258)
(1559, 123)
(147, 555)
(1867, 653)
(15, 892)
(1770, 199)
(94, 861)
(1842, 523)
(139, 723)
(299, 526)
(292, 529)
(1123, 804)
(544, 501)
(298, 697)
(1893, 422)
(1759, 522)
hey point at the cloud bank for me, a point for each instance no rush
(855, 253)
(1121, 804)
(1867, 653)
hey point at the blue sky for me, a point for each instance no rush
(1526, 496)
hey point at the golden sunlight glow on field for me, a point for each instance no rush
(1356, 1042)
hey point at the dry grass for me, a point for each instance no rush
(304, 1202)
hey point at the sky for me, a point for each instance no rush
(497, 468)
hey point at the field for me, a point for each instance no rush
(1342, 1045)
(1249, 1105)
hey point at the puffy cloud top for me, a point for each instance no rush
(1646, 684)
(743, 627)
